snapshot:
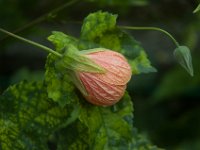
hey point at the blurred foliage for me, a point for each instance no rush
(166, 104)
(120, 3)
(26, 74)
(174, 105)
(11, 9)
(176, 83)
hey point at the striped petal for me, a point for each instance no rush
(100, 92)
(118, 71)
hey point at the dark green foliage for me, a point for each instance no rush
(53, 111)
(110, 127)
(28, 117)
(104, 128)
(121, 3)
(59, 87)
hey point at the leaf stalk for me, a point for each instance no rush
(152, 28)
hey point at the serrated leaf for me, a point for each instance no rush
(136, 55)
(61, 41)
(184, 58)
(32, 117)
(109, 36)
(197, 9)
(141, 64)
(99, 128)
(96, 24)
(108, 127)
(59, 86)
(73, 137)
(104, 128)
(112, 127)
(58, 81)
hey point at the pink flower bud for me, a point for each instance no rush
(107, 88)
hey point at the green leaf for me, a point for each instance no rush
(103, 128)
(96, 24)
(104, 33)
(99, 128)
(61, 41)
(58, 82)
(183, 56)
(136, 55)
(197, 9)
(109, 127)
(112, 127)
(28, 117)
(73, 137)
(59, 85)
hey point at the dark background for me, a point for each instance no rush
(166, 103)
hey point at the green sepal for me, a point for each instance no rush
(76, 61)
(183, 56)
(61, 72)
(93, 50)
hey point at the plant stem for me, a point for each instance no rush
(152, 28)
(32, 43)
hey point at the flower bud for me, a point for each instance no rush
(107, 88)
(100, 74)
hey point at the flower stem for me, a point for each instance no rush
(31, 42)
(152, 28)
